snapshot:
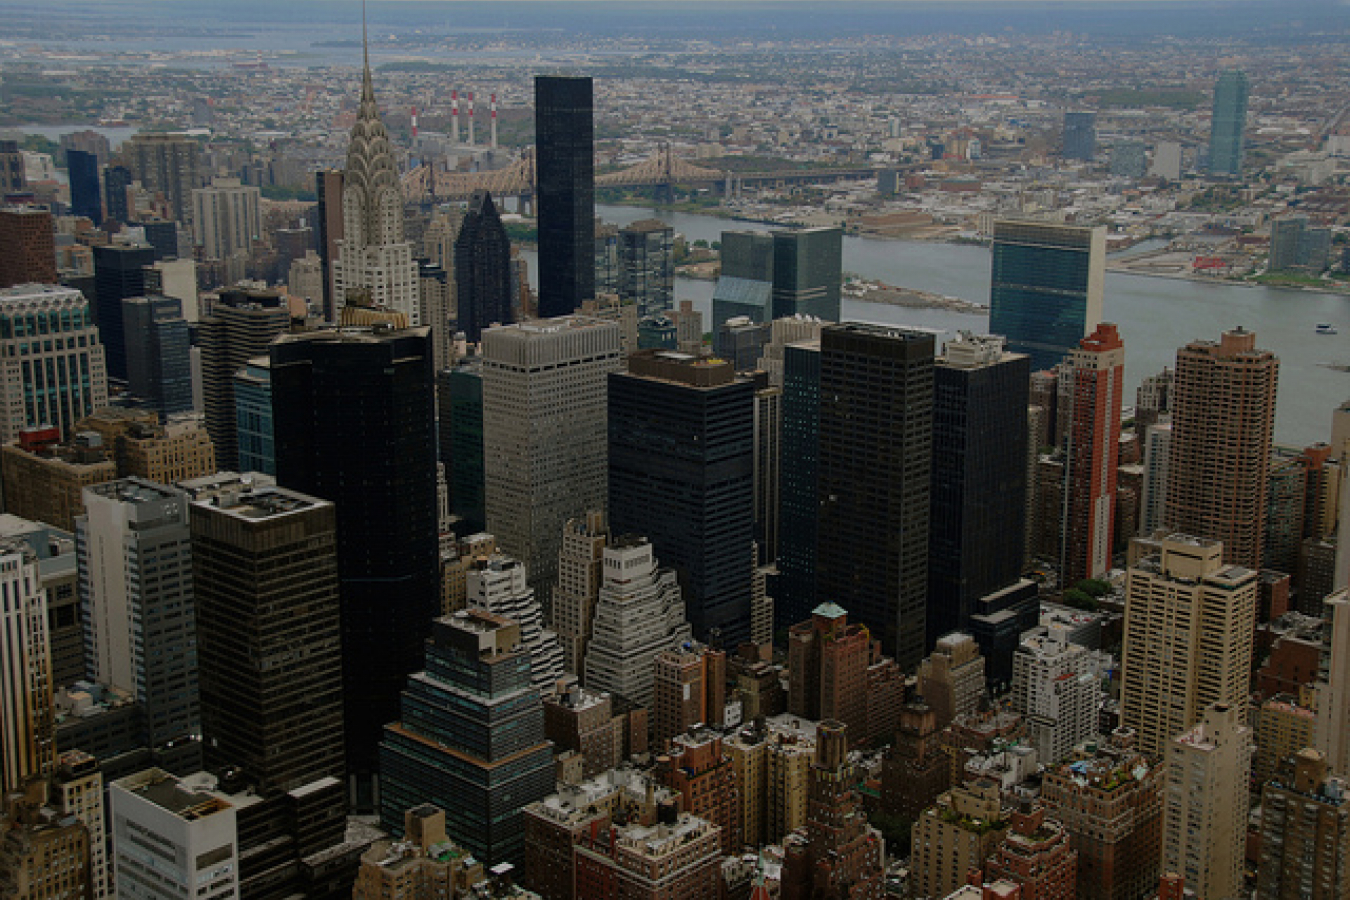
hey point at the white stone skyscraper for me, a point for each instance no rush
(373, 259)
(580, 564)
(1057, 686)
(135, 571)
(545, 433)
(639, 613)
(498, 585)
(27, 746)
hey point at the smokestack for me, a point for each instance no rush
(454, 117)
(493, 144)
(470, 118)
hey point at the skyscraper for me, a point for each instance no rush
(1223, 421)
(328, 187)
(168, 163)
(254, 430)
(497, 584)
(27, 719)
(86, 199)
(470, 738)
(44, 382)
(119, 272)
(265, 568)
(646, 266)
(225, 218)
(638, 614)
(242, 324)
(564, 125)
(1080, 136)
(745, 285)
(1227, 124)
(183, 822)
(159, 366)
(30, 247)
(807, 273)
(1047, 287)
(580, 574)
(461, 436)
(1188, 633)
(1305, 835)
(13, 178)
(1205, 802)
(1332, 735)
(798, 507)
(876, 426)
(116, 180)
(979, 477)
(135, 564)
(354, 426)
(544, 447)
(1094, 376)
(482, 269)
(374, 262)
(681, 472)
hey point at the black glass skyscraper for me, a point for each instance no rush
(116, 180)
(354, 425)
(808, 273)
(876, 429)
(681, 472)
(979, 478)
(1046, 287)
(119, 272)
(85, 199)
(482, 268)
(564, 125)
(798, 505)
(159, 366)
(1226, 141)
(460, 399)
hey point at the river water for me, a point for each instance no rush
(1155, 315)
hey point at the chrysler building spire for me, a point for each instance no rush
(374, 261)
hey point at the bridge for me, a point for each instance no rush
(662, 170)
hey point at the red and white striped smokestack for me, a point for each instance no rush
(414, 121)
(470, 118)
(494, 121)
(454, 116)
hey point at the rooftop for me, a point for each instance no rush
(170, 793)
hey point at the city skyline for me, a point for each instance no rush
(565, 588)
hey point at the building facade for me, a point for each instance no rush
(1223, 420)
(332, 393)
(639, 612)
(1205, 803)
(1048, 282)
(1228, 124)
(979, 478)
(374, 263)
(565, 146)
(544, 440)
(42, 386)
(1188, 627)
(681, 473)
(876, 423)
(482, 267)
(470, 738)
(1094, 376)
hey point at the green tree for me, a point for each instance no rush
(1079, 600)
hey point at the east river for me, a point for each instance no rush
(1155, 315)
